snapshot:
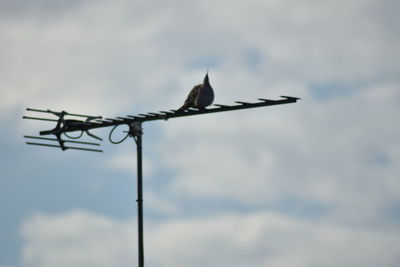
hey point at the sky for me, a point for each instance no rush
(315, 183)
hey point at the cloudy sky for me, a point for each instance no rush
(314, 183)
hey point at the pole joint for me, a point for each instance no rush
(135, 131)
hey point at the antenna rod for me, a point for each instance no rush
(162, 115)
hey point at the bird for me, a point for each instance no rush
(201, 96)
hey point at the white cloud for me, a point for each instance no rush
(313, 151)
(159, 205)
(84, 239)
(77, 239)
(122, 57)
(127, 162)
(115, 57)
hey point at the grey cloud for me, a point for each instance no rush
(37, 9)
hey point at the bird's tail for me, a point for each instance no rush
(182, 108)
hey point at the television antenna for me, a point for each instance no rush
(71, 122)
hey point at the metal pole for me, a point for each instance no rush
(138, 138)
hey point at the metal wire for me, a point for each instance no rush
(117, 142)
(72, 137)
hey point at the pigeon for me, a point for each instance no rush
(201, 96)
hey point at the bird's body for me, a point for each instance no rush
(201, 96)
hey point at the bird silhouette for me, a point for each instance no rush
(201, 96)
